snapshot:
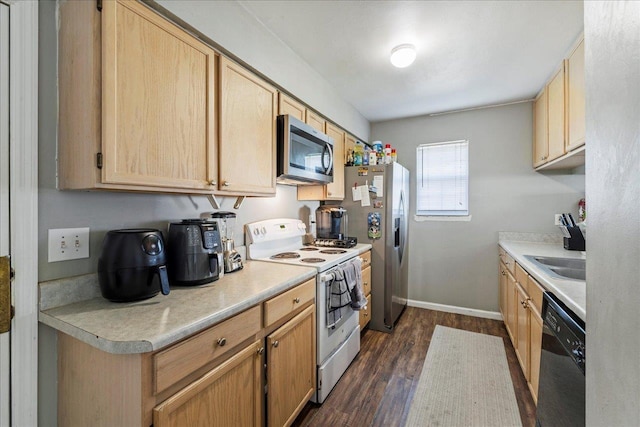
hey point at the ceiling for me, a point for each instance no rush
(470, 53)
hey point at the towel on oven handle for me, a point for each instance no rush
(338, 296)
(353, 276)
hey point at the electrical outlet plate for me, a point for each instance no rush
(557, 220)
(68, 243)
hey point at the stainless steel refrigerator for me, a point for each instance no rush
(383, 224)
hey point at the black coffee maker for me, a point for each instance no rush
(132, 265)
(195, 252)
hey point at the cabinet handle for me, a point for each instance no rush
(226, 184)
(296, 300)
(261, 350)
(276, 343)
(213, 182)
(329, 193)
(503, 273)
(222, 342)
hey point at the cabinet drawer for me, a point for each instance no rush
(178, 361)
(366, 281)
(521, 276)
(508, 261)
(366, 259)
(278, 307)
(535, 293)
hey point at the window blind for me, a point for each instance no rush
(443, 179)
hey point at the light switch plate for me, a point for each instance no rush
(68, 243)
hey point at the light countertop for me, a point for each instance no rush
(74, 306)
(570, 292)
(151, 324)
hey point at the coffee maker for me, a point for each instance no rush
(227, 223)
(331, 227)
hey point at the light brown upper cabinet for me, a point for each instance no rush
(540, 130)
(247, 147)
(575, 98)
(288, 105)
(335, 189)
(559, 116)
(137, 101)
(555, 114)
(316, 121)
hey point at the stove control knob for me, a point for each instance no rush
(256, 231)
(263, 230)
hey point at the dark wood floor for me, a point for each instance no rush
(378, 387)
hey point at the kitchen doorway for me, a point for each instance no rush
(19, 208)
(4, 199)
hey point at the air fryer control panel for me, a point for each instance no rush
(211, 237)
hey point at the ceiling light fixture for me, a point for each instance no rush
(403, 55)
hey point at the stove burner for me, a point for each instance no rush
(313, 260)
(332, 251)
(308, 248)
(286, 255)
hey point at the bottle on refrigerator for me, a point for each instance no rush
(387, 154)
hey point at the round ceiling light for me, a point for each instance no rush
(403, 55)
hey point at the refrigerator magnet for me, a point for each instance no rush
(373, 229)
(378, 204)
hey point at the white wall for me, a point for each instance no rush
(455, 263)
(612, 61)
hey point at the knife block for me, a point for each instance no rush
(576, 241)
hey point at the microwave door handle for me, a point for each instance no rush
(327, 147)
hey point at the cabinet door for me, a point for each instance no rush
(502, 275)
(335, 190)
(229, 395)
(316, 121)
(535, 349)
(512, 297)
(540, 130)
(247, 143)
(291, 368)
(158, 97)
(287, 105)
(576, 98)
(365, 314)
(556, 115)
(522, 347)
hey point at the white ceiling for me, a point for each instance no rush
(470, 53)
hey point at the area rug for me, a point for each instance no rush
(465, 381)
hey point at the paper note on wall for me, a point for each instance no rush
(364, 193)
(378, 182)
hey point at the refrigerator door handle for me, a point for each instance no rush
(400, 232)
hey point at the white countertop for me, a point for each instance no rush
(74, 306)
(571, 292)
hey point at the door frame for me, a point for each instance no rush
(23, 190)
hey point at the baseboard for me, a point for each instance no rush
(457, 310)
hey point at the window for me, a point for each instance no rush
(443, 179)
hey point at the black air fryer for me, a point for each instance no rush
(132, 266)
(195, 252)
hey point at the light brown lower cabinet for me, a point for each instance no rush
(521, 305)
(365, 313)
(229, 395)
(262, 360)
(291, 368)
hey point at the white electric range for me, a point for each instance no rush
(281, 241)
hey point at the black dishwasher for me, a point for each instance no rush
(561, 391)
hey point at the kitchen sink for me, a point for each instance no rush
(561, 268)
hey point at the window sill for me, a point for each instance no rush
(424, 218)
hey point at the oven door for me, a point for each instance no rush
(305, 155)
(330, 338)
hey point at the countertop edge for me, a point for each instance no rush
(146, 344)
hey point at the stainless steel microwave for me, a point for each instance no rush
(305, 155)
